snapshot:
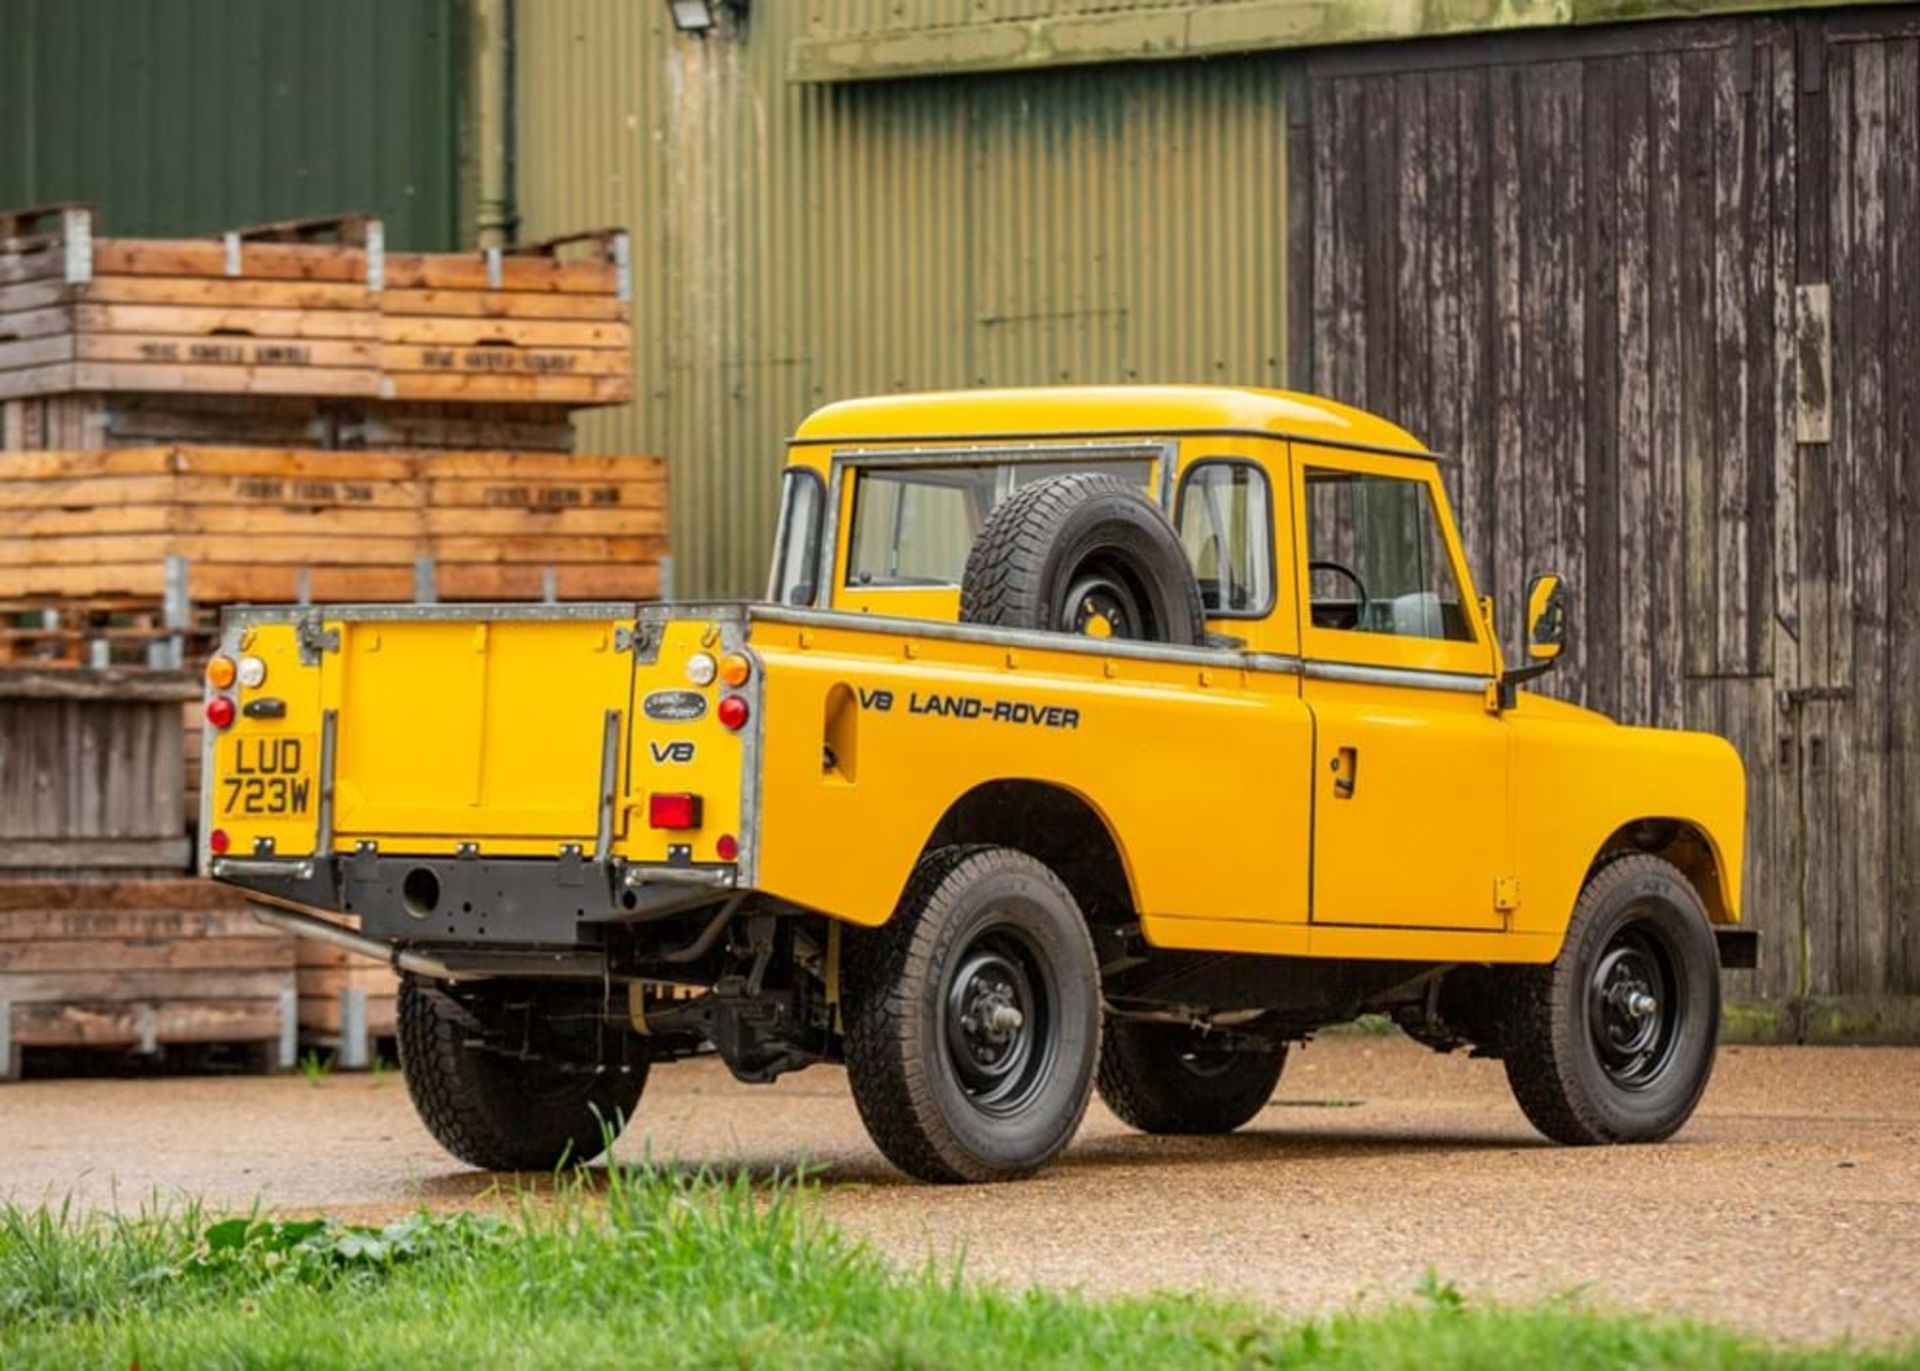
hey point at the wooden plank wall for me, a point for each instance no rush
(1656, 289)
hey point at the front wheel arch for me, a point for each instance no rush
(1682, 843)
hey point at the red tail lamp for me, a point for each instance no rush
(220, 711)
(217, 842)
(733, 712)
(673, 809)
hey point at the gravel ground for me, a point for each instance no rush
(1790, 1206)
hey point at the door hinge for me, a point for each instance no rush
(315, 638)
(1506, 893)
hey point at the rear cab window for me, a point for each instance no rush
(912, 520)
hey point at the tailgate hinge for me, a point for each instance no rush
(315, 638)
(642, 640)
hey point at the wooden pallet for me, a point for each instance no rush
(140, 966)
(276, 525)
(259, 312)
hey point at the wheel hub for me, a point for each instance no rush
(1630, 1010)
(1098, 606)
(996, 1025)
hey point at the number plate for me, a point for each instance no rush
(267, 777)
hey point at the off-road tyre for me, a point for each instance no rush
(963, 908)
(1160, 1078)
(1068, 550)
(1569, 1042)
(494, 1111)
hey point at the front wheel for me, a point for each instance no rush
(1613, 1042)
(974, 1018)
(500, 1110)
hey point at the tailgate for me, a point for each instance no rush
(475, 728)
(515, 730)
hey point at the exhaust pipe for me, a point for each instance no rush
(308, 926)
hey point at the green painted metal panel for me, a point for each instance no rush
(796, 244)
(189, 116)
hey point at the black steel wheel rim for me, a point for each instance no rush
(1101, 604)
(999, 1015)
(1636, 1004)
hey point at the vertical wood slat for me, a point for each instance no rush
(1509, 433)
(1831, 825)
(1590, 292)
(1903, 445)
(1783, 868)
(1863, 774)
(1600, 385)
(1665, 362)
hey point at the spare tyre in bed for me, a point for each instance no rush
(1086, 553)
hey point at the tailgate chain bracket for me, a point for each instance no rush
(609, 781)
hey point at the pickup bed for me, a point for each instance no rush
(991, 840)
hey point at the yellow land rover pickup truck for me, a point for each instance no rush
(1087, 739)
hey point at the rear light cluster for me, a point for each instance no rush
(223, 674)
(681, 811)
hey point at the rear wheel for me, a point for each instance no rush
(1167, 1078)
(1614, 1041)
(497, 1110)
(974, 1019)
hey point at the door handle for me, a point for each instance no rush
(1346, 771)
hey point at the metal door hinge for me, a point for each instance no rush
(642, 640)
(315, 638)
(1506, 893)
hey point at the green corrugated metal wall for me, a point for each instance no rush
(187, 116)
(797, 244)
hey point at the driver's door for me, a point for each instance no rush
(1410, 823)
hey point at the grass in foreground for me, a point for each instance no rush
(659, 1268)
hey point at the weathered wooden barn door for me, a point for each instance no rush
(1656, 290)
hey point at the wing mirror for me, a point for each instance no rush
(1546, 618)
(1546, 635)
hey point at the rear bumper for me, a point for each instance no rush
(559, 902)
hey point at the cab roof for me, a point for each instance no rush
(1106, 411)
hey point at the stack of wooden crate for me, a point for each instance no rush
(270, 312)
(289, 413)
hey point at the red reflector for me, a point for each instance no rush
(733, 711)
(673, 810)
(728, 848)
(217, 842)
(220, 711)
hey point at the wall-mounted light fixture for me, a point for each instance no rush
(702, 16)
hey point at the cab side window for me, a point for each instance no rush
(1225, 518)
(1377, 562)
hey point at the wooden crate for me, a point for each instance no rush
(271, 525)
(92, 771)
(272, 311)
(139, 965)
